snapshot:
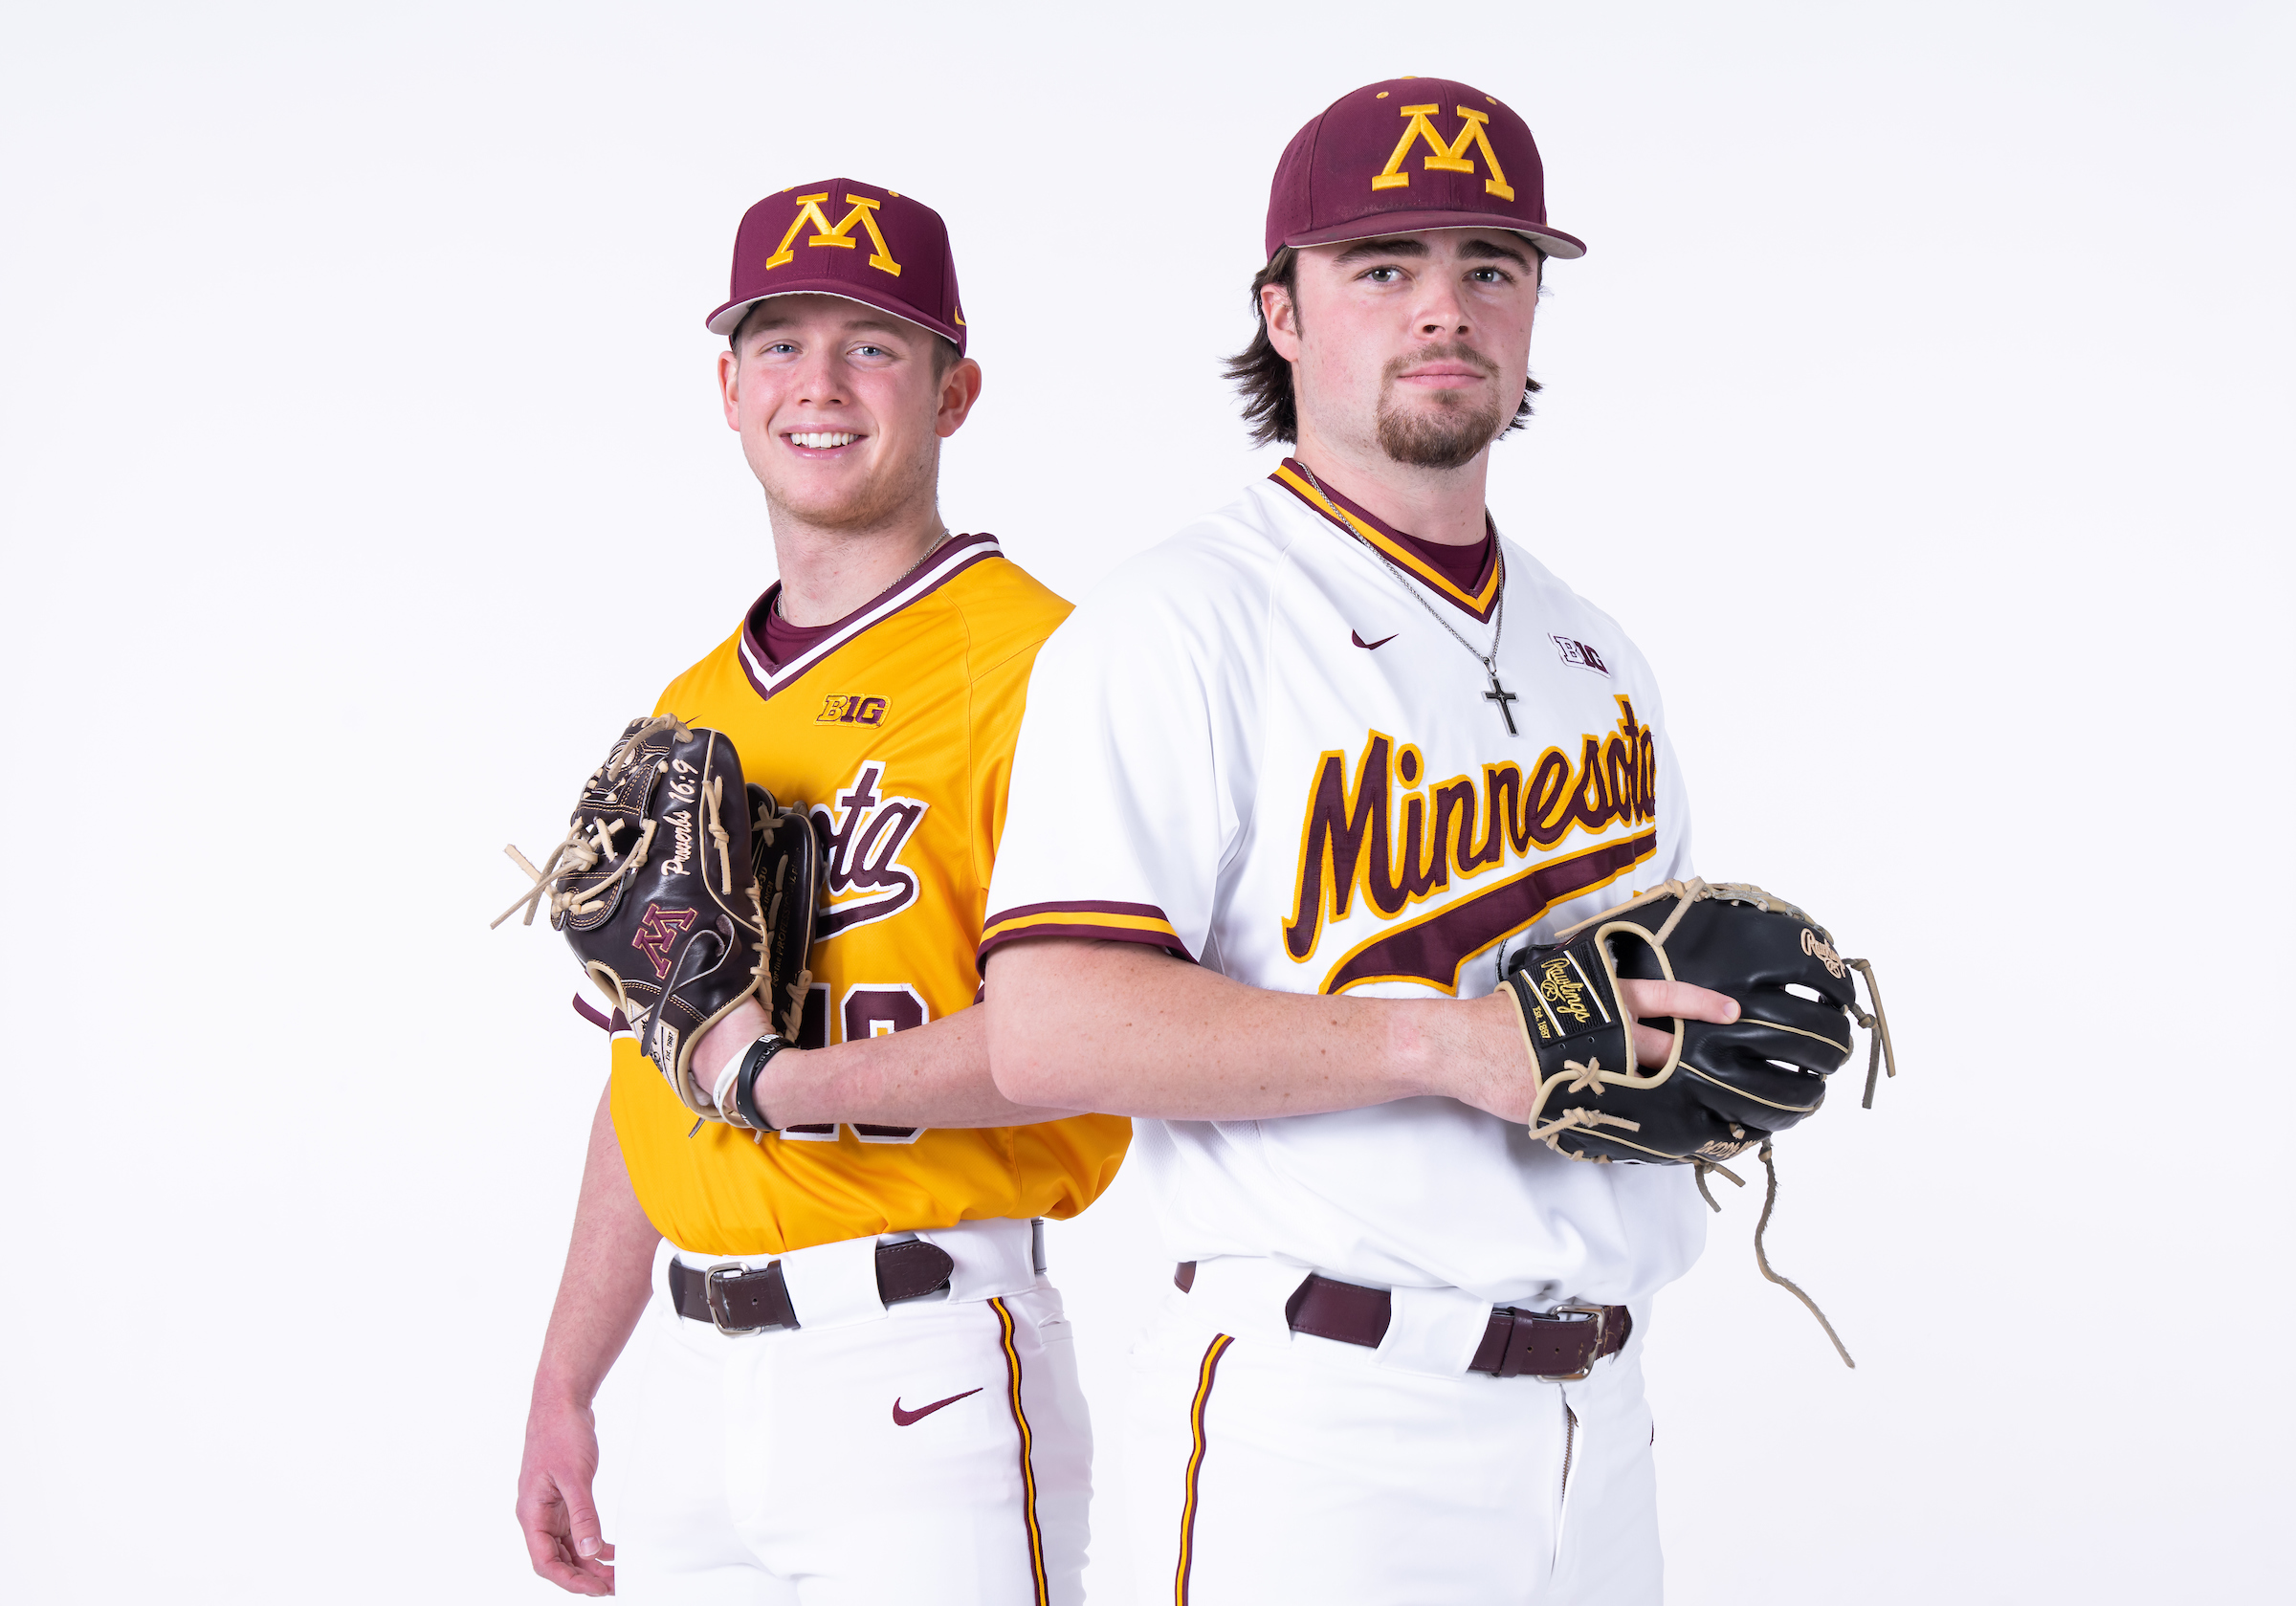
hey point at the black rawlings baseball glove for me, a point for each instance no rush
(1723, 1090)
(683, 892)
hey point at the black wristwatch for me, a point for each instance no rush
(753, 1059)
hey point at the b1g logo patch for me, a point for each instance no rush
(845, 708)
(1580, 653)
(657, 931)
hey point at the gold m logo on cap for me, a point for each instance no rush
(864, 213)
(1447, 159)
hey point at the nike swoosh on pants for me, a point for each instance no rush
(902, 1419)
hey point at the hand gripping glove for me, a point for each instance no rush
(683, 892)
(1723, 1090)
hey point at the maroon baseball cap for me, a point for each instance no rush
(843, 237)
(1408, 154)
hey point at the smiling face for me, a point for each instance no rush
(842, 408)
(1412, 345)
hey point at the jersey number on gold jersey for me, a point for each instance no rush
(876, 1009)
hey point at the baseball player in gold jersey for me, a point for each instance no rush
(860, 1386)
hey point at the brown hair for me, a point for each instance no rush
(1262, 377)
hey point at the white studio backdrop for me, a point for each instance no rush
(1921, 408)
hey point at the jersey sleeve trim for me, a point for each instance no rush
(1100, 921)
(956, 555)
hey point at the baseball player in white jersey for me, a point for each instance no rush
(1290, 789)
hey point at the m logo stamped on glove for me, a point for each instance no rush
(657, 933)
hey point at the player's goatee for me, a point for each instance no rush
(1456, 429)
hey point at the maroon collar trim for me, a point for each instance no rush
(957, 554)
(1383, 538)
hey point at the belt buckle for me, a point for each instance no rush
(1601, 1317)
(713, 1282)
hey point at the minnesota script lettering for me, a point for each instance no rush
(1398, 842)
(861, 841)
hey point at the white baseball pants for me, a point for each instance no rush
(934, 1451)
(1264, 1466)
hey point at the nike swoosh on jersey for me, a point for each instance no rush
(902, 1419)
(1369, 645)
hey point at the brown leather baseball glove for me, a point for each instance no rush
(683, 892)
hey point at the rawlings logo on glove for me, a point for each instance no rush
(1722, 1090)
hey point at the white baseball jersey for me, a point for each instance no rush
(1252, 746)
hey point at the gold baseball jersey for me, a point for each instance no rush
(896, 732)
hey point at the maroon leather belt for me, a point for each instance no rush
(1558, 1346)
(733, 1300)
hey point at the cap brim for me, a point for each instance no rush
(1377, 225)
(728, 318)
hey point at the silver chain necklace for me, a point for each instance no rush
(1497, 693)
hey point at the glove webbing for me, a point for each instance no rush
(573, 856)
